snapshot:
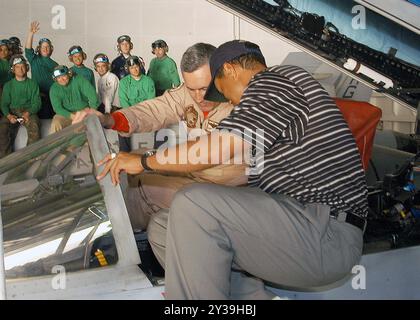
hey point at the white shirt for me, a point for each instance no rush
(108, 90)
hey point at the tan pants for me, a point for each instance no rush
(59, 123)
(149, 197)
(148, 193)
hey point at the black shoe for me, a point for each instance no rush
(149, 264)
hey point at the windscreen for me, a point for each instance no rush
(53, 210)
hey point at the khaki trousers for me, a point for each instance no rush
(149, 197)
(59, 123)
(149, 193)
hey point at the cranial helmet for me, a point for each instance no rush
(61, 70)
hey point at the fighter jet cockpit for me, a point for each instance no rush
(57, 217)
(53, 210)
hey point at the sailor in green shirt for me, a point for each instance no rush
(42, 68)
(163, 70)
(70, 93)
(77, 56)
(20, 103)
(4, 64)
(134, 88)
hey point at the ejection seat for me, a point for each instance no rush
(362, 118)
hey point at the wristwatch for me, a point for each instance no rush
(144, 157)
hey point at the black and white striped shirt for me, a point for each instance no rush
(307, 151)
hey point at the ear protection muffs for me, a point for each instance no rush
(61, 71)
(124, 38)
(28, 67)
(166, 50)
(160, 44)
(131, 61)
(21, 59)
(6, 43)
(119, 49)
(38, 48)
(100, 57)
(94, 66)
(70, 74)
(15, 41)
(76, 49)
(84, 56)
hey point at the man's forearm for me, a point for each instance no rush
(29, 40)
(208, 151)
(176, 160)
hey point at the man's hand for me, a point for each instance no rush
(25, 116)
(123, 161)
(79, 116)
(12, 118)
(34, 27)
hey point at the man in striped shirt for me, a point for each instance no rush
(301, 221)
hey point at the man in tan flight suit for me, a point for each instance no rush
(184, 105)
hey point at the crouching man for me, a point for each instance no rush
(299, 223)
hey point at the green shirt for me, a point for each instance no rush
(85, 72)
(75, 96)
(133, 91)
(5, 74)
(20, 96)
(164, 73)
(42, 69)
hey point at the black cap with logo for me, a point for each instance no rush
(225, 53)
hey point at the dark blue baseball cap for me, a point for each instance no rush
(227, 52)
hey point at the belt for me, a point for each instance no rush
(350, 218)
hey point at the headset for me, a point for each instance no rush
(132, 61)
(15, 45)
(17, 59)
(61, 70)
(76, 49)
(15, 41)
(41, 41)
(160, 44)
(5, 42)
(124, 38)
(100, 57)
